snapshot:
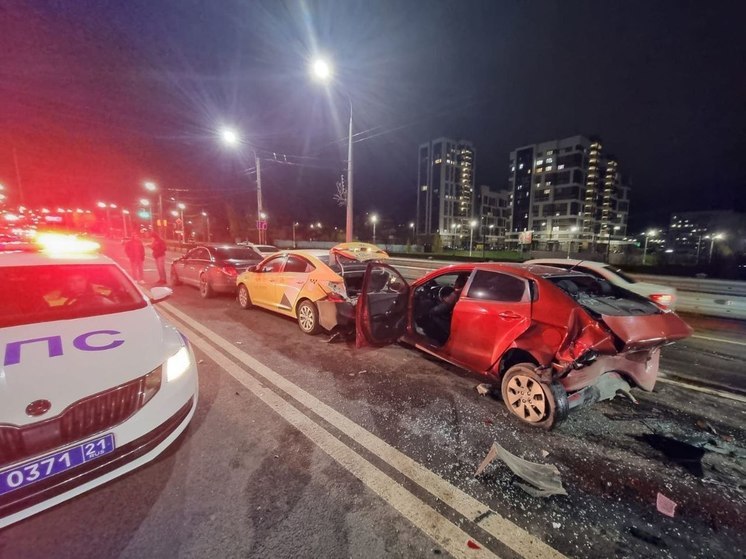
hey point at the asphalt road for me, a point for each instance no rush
(301, 448)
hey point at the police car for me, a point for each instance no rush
(93, 381)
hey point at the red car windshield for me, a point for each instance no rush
(32, 294)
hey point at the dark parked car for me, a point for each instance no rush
(552, 339)
(213, 269)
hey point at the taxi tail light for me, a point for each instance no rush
(229, 271)
(662, 299)
(335, 298)
(336, 291)
(151, 384)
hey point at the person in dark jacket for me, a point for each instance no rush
(159, 255)
(136, 253)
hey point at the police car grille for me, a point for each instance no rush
(101, 411)
(81, 419)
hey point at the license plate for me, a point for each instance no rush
(53, 464)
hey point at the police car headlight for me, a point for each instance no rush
(151, 385)
(178, 364)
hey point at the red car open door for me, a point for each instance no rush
(382, 306)
(492, 313)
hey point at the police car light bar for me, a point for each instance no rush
(56, 243)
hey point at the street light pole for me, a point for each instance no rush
(713, 238)
(183, 226)
(374, 220)
(124, 222)
(207, 220)
(648, 234)
(472, 224)
(322, 70)
(348, 225)
(295, 224)
(259, 207)
(573, 229)
(232, 139)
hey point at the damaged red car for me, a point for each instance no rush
(552, 339)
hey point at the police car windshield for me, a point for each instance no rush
(31, 294)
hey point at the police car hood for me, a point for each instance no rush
(67, 360)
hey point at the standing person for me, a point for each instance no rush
(159, 254)
(136, 253)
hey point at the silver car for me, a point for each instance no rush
(662, 295)
(213, 269)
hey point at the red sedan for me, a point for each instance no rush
(553, 339)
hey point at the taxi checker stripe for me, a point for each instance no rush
(439, 528)
(515, 537)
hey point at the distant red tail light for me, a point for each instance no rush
(335, 298)
(662, 299)
(229, 271)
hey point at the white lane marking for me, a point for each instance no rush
(441, 530)
(721, 340)
(703, 389)
(501, 528)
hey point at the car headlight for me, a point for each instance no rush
(177, 364)
(151, 385)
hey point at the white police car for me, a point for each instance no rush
(93, 381)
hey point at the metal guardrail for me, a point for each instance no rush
(708, 297)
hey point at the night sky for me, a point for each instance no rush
(98, 96)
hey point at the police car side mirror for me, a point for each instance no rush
(158, 294)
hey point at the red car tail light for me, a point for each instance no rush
(229, 271)
(662, 299)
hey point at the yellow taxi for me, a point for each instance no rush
(318, 288)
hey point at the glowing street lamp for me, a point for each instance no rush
(322, 70)
(295, 224)
(230, 136)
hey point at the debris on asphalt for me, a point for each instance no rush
(489, 422)
(556, 525)
(648, 537)
(706, 426)
(361, 372)
(630, 416)
(200, 361)
(335, 337)
(473, 545)
(239, 343)
(544, 453)
(483, 389)
(686, 455)
(665, 505)
(544, 479)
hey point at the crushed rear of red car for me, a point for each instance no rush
(552, 339)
